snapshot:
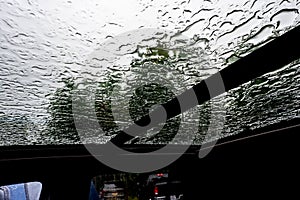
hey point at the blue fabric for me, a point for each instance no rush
(24, 191)
(93, 192)
(17, 192)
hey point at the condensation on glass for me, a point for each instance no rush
(45, 45)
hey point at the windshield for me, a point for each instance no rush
(51, 49)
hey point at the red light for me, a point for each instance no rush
(156, 190)
(160, 174)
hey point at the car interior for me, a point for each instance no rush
(251, 149)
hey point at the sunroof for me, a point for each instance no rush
(137, 54)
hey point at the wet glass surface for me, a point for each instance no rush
(46, 49)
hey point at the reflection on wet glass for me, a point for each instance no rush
(45, 46)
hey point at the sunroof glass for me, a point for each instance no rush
(134, 55)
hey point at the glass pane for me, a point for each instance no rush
(47, 50)
(162, 184)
